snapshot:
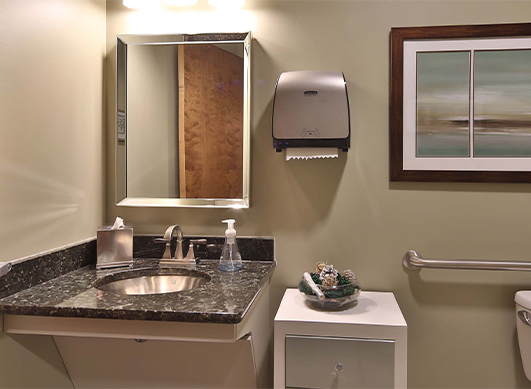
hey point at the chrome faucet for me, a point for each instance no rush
(167, 239)
(177, 259)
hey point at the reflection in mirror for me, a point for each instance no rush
(183, 120)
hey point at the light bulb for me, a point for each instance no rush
(226, 4)
(180, 3)
(141, 5)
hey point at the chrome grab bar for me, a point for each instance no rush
(413, 261)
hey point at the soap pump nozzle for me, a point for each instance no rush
(230, 231)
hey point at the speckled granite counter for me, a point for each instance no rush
(225, 299)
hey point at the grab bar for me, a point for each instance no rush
(413, 261)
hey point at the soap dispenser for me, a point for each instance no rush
(230, 260)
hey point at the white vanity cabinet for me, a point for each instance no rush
(111, 353)
(361, 347)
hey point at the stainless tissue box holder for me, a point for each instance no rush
(115, 247)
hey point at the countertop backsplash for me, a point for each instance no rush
(251, 248)
(34, 270)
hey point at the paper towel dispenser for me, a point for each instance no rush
(311, 109)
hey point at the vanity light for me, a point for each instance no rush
(226, 4)
(180, 3)
(141, 5)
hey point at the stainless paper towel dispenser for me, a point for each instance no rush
(311, 109)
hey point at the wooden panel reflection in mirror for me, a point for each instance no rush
(210, 114)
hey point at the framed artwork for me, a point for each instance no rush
(460, 103)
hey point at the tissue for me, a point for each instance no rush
(118, 223)
(311, 153)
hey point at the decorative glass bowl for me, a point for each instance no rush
(335, 296)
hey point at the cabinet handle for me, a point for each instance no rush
(337, 369)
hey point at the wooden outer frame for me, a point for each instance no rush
(396, 101)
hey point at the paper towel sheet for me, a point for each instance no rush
(311, 153)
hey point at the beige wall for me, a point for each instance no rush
(345, 211)
(51, 149)
(51, 99)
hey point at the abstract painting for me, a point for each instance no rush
(443, 104)
(502, 103)
(460, 104)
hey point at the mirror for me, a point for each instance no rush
(182, 120)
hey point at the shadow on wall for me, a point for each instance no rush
(306, 187)
(33, 357)
(460, 187)
(317, 180)
(493, 293)
(461, 293)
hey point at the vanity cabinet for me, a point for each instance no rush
(217, 335)
(110, 353)
(361, 347)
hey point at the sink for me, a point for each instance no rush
(151, 281)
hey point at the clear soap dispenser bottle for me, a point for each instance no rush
(230, 260)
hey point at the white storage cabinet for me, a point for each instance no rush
(361, 347)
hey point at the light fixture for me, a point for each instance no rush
(141, 5)
(226, 4)
(180, 3)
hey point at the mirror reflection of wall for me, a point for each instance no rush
(153, 121)
(185, 106)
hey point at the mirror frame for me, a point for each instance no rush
(121, 121)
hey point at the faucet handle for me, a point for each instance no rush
(167, 250)
(191, 254)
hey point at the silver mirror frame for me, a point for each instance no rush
(245, 38)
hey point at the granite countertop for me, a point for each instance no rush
(224, 299)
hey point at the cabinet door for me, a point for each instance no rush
(330, 362)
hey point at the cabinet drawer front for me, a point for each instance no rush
(329, 362)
